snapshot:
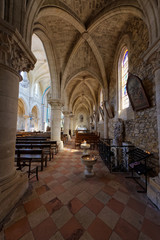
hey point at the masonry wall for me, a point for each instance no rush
(140, 126)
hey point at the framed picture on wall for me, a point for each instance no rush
(136, 93)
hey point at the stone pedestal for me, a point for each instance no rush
(85, 148)
(88, 161)
(56, 121)
(14, 57)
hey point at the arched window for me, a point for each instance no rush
(123, 70)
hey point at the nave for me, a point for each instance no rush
(64, 204)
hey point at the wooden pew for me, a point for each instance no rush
(91, 138)
(35, 155)
(50, 146)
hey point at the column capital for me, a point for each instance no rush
(66, 113)
(55, 103)
(14, 52)
(71, 115)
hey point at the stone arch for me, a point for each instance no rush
(78, 72)
(56, 11)
(71, 18)
(26, 106)
(51, 57)
(35, 118)
(150, 10)
(92, 45)
(67, 99)
(106, 14)
(22, 114)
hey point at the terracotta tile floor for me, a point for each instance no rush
(64, 204)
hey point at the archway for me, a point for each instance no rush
(34, 119)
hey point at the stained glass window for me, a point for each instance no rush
(124, 77)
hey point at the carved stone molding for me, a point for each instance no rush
(66, 113)
(14, 53)
(71, 116)
(56, 104)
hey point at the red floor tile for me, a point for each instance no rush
(72, 230)
(99, 230)
(109, 190)
(62, 179)
(75, 205)
(53, 205)
(45, 230)
(67, 167)
(32, 205)
(17, 230)
(151, 229)
(58, 189)
(137, 206)
(116, 205)
(95, 205)
(126, 231)
(48, 179)
(42, 189)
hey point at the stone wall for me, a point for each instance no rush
(140, 126)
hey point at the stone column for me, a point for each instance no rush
(56, 105)
(66, 123)
(27, 123)
(71, 123)
(153, 190)
(14, 57)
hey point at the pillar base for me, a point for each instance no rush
(153, 190)
(11, 191)
(60, 145)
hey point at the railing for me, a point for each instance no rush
(114, 157)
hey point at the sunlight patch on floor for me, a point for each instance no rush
(70, 150)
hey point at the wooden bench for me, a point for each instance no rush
(49, 146)
(45, 146)
(35, 155)
(26, 167)
(91, 139)
(138, 164)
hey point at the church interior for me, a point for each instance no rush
(79, 119)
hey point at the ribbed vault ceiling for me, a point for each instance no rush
(84, 36)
